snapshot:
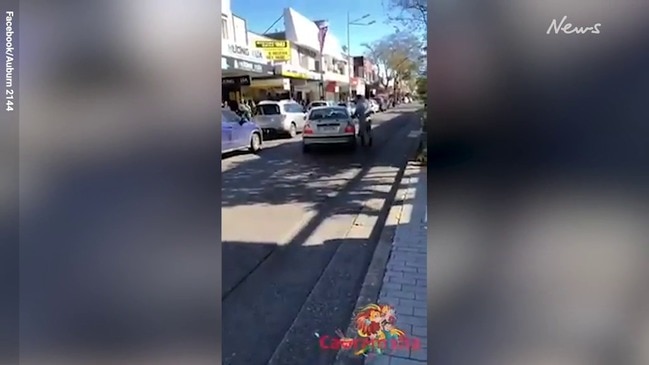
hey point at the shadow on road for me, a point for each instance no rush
(301, 178)
(265, 146)
(362, 188)
(309, 296)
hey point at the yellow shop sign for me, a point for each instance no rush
(275, 50)
(297, 75)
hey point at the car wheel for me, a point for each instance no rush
(306, 148)
(292, 130)
(255, 143)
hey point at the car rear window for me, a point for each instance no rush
(328, 113)
(268, 109)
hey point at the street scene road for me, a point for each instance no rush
(294, 249)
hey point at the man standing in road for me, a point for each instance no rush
(361, 113)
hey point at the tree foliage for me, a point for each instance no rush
(422, 87)
(410, 14)
(398, 56)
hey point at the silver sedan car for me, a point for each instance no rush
(329, 125)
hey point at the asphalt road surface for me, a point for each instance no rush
(291, 268)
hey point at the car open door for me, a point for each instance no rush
(240, 137)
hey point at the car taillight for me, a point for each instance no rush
(307, 129)
(349, 128)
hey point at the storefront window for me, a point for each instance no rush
(224, 28)
(304, 61)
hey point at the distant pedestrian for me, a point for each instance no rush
(252, 106)
(245, 110)
(233, 105)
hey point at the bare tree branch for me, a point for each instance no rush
(412, 14)
(398, 56)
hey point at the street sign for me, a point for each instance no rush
(275, 50)
(278, 54)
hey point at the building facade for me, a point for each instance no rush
(309, 72)
(241, 62)
(304, 33)
(290, 75)
(365, 77)
(250, 72)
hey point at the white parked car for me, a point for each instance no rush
(329, 125)
(284, 116)
(319, 103)
(374, 106)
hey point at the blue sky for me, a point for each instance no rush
(260, 14)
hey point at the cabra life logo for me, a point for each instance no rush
(377, 333)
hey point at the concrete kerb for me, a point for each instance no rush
(373, 282)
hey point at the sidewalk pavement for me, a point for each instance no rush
(404, 282)
(397, 273)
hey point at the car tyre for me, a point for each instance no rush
(292, 130)
(306, 148)
(255, 143)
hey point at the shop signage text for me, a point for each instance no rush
(297, 75)
(245, 51)
(248, 66)
(271, 44)
(236, 80)
(275, 50)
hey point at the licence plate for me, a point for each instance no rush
(329, 129)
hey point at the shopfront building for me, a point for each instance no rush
(269, 89)
(303, 32)
(241, 62)
(358, 87)
(288, 82)
(240, 69)
(304, 83)
(231, 87)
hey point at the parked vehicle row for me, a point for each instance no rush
(323, 122)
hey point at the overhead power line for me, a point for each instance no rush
(278, 19)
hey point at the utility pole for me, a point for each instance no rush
(323, 28)
(350, 59)
(350, 67)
